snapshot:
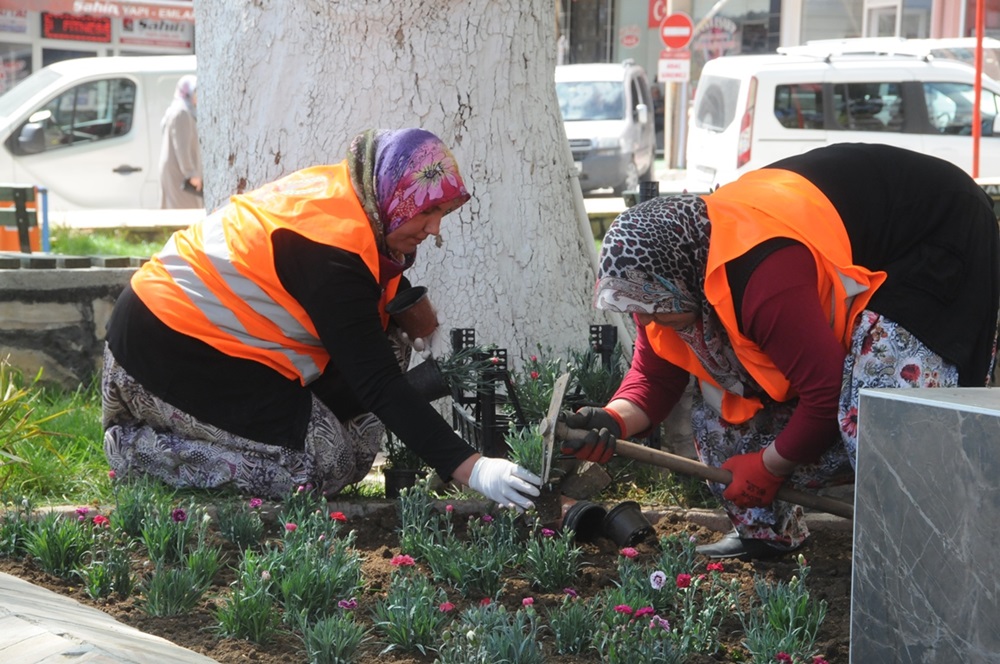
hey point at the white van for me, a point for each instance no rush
(88, 129)
(607, 112)
(750, 110)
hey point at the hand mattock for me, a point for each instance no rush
(553, 430)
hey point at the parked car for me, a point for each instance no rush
(607, 111)
(750, 110)
(88, 130)
(953, 48)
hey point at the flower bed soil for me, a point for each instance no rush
(828, 554)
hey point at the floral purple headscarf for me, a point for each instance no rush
(398, 174)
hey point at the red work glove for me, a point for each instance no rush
(599, 443)
(753, 484)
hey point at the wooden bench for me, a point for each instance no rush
(19, 230)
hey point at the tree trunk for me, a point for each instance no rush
(286, 84)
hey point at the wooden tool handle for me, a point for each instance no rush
(719, 475)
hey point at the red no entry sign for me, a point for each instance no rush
(676, 30)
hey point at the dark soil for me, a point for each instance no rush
(828, 554)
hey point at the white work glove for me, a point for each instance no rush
(504, 482)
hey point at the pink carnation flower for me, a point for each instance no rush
(629, 552)
(402, 560)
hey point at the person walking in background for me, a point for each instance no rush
(254, 349)
(784, 294)
(180, 156)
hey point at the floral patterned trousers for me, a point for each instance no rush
(144, 435)
(882, 354)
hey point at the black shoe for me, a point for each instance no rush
(743, 548)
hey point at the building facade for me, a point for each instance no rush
(37, 33)
(614, 30)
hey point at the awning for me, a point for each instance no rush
(151, 9)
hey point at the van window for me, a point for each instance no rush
(89, 112)
(591, 100)
(949, 108)
(715, 102)
(868, 106)
(636, 100)
(799, 106)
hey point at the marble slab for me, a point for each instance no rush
(926, 568)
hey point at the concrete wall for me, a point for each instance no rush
(53, 313)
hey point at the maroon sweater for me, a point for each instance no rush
(782, 314)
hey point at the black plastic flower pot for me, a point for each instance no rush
(427, 379)
(626, 525)
(397, 479)
(412, 310)
(585, 519)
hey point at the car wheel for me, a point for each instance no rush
(631, 182)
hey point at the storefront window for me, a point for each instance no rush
(53, 55)
(739, 27)
(15, 64)
(832, 19)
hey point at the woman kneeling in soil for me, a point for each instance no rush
(253, 349)
(785, 293)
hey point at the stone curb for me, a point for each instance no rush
(713, 519)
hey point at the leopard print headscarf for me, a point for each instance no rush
(653, 260)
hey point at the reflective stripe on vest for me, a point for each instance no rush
(762, 205)
(216, 281)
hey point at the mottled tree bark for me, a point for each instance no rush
(285, 84)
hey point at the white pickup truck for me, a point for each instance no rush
(87, 130)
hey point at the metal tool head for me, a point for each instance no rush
(547, 427)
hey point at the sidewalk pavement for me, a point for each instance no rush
(38, 626)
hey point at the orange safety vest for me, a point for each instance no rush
(216, 280)
(761, 205)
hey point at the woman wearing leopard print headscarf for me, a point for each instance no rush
(783, 294)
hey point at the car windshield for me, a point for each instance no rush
(591, 100)
(11, 100)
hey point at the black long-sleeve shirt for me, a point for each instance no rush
(249, 399)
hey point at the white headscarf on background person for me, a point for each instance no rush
(187, 86)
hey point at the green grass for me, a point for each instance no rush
(64, 463)
(111, 242)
